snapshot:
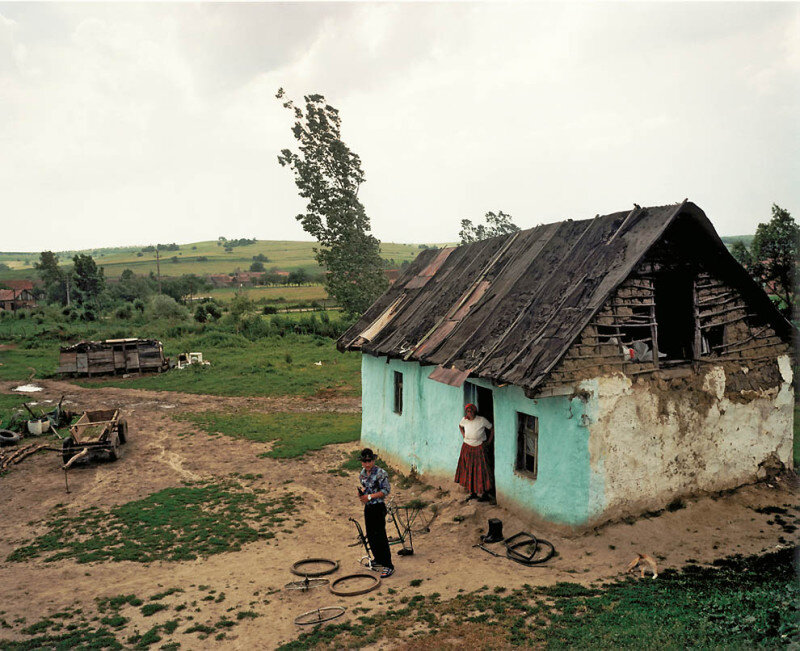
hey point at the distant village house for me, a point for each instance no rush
(18, 295)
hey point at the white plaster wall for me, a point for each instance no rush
(648, 446)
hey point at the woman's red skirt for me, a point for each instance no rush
(472, 471)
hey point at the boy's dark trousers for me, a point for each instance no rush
(375, 520)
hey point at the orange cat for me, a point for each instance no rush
(643, 561)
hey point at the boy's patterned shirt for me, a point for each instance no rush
(374, 482)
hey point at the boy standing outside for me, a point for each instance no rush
(373, 490)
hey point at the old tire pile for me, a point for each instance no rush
(543, 550)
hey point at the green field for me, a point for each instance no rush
(279, 294)
(284, 255)
(262, 356)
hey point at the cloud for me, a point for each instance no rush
(127, 121)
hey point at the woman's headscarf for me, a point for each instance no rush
(469, 405)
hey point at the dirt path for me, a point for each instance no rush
(157, 457)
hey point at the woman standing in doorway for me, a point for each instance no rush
(472, 471)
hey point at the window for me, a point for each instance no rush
(398, 392)
(675, 315)
(527, 444)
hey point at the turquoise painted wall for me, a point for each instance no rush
(426, 437)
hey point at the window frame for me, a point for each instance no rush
(397, 407)
(520, 462)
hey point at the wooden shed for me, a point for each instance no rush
(113, 356)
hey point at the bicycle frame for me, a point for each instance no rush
(365, 542)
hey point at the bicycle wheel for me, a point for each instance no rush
(424, 519)
(355, 584)
(307, 584)
(540, 544)
(319, 615)
(314, 567)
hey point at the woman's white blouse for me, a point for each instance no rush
(475, 430)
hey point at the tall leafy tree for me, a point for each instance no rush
(497, 223)
(773, 257)
(328, 175)
(88, 280)
(53, 277)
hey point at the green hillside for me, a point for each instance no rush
(199, 258)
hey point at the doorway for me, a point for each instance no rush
(483, 399)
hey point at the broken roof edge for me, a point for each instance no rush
(753, 290)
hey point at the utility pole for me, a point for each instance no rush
(158, 269)
(67, 282)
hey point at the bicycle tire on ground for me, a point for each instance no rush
(525, 560)
(295, 567)
(331, 612)
(354, 593)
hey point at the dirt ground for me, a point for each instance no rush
(709, 527)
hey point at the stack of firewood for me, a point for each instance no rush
(8, 457)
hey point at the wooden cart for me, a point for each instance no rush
(101, 433)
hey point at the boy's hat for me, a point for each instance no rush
(367, 455)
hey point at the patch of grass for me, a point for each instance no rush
(149, 638)
(771, 510)
(83, 636)
(174, 524)
(114, 621)
(199, 628)
(19, 363)
(293, 434)
(166, 593)
(152, 609)
(170, 626)
(241, 367)
(115, 603)
(415, 583)
(739, 603)
(246, 614)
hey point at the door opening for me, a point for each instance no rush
(485, 404)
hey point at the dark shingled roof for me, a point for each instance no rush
(508, 308)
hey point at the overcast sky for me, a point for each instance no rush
(136, 123)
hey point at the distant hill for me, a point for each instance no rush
(728, 240)
(199, 258)
(203, 258)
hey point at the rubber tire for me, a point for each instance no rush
(536, 561)
(67, 449)
(116, 451)
(7, 437)
(354, 593)
(122, 428)
(311, 575)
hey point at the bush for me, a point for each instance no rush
(124, 311)
(166, 307)
(200, 314)
(213, 310)
(254, 327)
(138, 304)
(269, 309)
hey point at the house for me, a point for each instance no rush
(220, 280)
(18, 297)
(625, 361)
